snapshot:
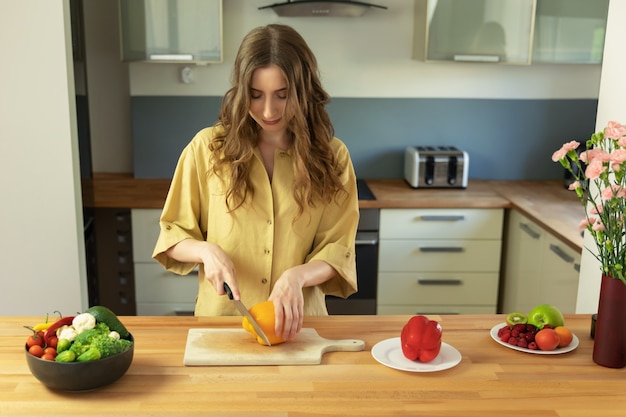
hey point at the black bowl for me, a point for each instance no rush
(81, 376)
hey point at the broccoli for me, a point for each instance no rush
(98, 338)
(109, 346)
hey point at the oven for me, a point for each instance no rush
(364, 300)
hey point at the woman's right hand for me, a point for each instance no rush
(218, 267)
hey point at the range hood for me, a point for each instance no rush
(321, 8)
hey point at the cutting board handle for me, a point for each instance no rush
(344, 345)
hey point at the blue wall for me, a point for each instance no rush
(505, 139)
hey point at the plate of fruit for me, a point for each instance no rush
(541, 332)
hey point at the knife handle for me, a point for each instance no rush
(228, 291)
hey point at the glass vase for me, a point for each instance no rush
(609, 346)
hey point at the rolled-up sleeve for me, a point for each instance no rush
(180, 218)
(335, 238)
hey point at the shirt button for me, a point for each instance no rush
(269, 222)
(168, 227)
(347, 254)
(264, 281)
(266, 251)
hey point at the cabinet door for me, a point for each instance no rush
(561, 268)
(145, 224)
(474, 30)
(171, 30)
(570, 31)
(539, 268)
(522, 265)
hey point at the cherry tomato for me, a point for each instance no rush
(48, 357)
(52, 342)
(36, 350)
(35, 340)
(50, 351)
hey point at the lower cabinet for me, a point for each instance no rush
(538, 268)
(158, 291)
(439, 261)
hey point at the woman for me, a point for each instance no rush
(266, 199)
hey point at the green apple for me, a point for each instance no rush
(544, 314)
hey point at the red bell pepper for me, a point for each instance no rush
(421, 339)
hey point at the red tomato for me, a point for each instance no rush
(48, 357)
(50, 351)
(34, 339)
(52, 342)
(36, 350)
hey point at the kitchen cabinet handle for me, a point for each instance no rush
(577, 267)
(559, 252)
(439, 281)
(366, 239)
(443, 218)
(447, 249)
(530, 232)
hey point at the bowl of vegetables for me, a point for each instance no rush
(82, 352)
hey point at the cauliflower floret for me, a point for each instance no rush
(84, 321)
(115, 335)
(67, 332)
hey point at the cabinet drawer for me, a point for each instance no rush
(439, 255)
(441, 223)
(433, 309)
(437, 288)
(154, 284)
(145, 226)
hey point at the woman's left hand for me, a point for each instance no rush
(288, 304)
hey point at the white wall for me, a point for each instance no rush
(371, 56)
(611, 106)
(41, 250)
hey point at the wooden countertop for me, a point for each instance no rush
(547, 203)
(491, 380)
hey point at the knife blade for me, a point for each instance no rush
(244, 311)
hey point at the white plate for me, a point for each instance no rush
(557, 351)
(389, 353)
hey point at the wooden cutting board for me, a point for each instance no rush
(237, 347)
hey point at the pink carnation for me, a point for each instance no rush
(594, 169)
(596, 209)
(585, 222)
(595, 153)
(562, 153)
(598, 227)
(573, 186)
(613, 191)
(618, 155)
(614, 130)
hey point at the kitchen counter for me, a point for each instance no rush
(547, 203)
(490, 380)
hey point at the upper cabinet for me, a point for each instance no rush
(510, 32)
(171, 30)
(570, 31)
(474, 30)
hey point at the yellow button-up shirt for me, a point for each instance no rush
(261, 236)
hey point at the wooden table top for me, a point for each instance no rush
(490, 380)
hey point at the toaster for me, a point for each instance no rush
(436, 167)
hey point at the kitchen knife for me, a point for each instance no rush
(244, 311)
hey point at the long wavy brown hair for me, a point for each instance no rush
(316, 169)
